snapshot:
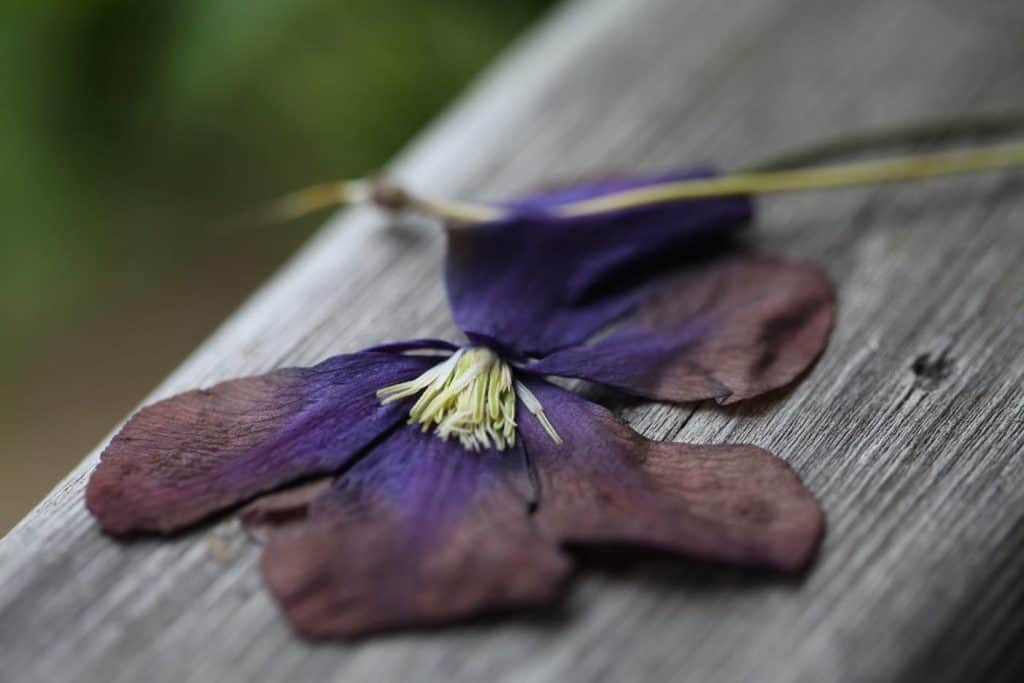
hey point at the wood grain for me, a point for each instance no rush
(910, 428)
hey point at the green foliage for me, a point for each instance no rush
(129, 126)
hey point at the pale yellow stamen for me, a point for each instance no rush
(472, 396)
(533, 405)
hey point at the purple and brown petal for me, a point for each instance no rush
(533, 283)
(730, 330)
(183, 458)
(734, 503)
(420, 531)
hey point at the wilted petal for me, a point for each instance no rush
(533, 283)
(181, 459)
(419, 531)
(730, 330)
(287, 507)
(607, 484)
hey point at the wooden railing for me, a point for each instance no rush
(910, 429)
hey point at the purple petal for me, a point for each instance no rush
(607, 484)
(420, 531)
(181, 459)
(533, 283)
(729, 331)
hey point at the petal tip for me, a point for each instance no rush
(796, 524)
(798, 555)
(121, 510)
(109, 502)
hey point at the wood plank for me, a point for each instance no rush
(916, 461)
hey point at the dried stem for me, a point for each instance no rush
(785, 173)
(897, 170)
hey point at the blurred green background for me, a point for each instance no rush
(129, 128)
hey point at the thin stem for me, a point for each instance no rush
(303, 202)
(944, 130)
(456, 211)
(788, 172)
(373, 192)
(828, 177)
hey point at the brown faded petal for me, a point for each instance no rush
(731, 330)
(420, 531)
(607, 484)
(181, 459)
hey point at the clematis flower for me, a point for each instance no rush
(426, 481)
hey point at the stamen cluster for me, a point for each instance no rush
(471, 395)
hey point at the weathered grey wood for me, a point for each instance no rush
(909, 429)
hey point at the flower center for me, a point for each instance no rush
(470, 395)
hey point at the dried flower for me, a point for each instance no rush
(455, 477)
